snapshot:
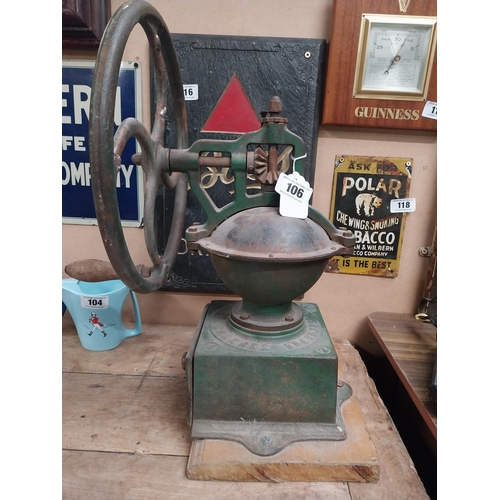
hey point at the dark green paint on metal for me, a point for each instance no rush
(240, 376)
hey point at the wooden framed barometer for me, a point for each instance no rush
(382, 65)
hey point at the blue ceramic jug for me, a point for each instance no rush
(96, 309)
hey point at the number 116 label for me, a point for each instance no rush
(191, 92)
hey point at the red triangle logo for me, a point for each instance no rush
(234, 112)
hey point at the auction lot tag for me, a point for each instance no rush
(403, 205)
(430, 110)
(94, 302)
(191, 92)
(295, 193)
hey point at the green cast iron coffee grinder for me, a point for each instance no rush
(262, 370)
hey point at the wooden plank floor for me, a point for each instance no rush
(125, 434)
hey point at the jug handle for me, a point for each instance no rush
(138, 323)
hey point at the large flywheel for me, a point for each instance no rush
(106, 147)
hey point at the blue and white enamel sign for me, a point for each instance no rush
(77, 203)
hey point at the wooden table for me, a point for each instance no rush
(410, 346)
(403, 375)
(125, 433)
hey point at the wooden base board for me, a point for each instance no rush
(353, 459)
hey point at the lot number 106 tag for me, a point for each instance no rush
(294, 190)
(295, 193)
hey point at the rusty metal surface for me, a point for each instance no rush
(268, 259)
(263, 234)
(103, 152)
(266, 319)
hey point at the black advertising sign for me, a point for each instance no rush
(370, 198)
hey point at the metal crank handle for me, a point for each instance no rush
(94, 270)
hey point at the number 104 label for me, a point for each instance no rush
(94, 302)
(403, 205)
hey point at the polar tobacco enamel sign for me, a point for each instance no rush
(363, 188)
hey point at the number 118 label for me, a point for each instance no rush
(403, 205)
